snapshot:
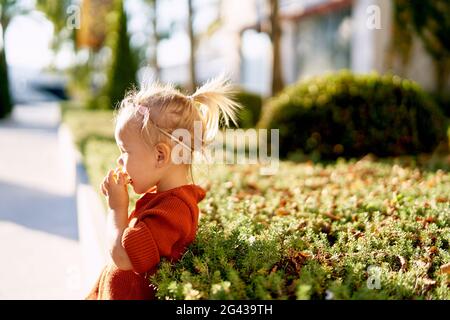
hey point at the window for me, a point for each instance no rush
(323, 43)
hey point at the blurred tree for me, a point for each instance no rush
(195, 36)
(88, 33)
(430, 20)
(65, 15)
(93, 30)
(269, 23)
(56, 12)
(8, 9)
(155, 37)
(5, 95)
(275, 36)
(192, 71)
(122, 68)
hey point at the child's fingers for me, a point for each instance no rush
(110, 177)
(103, 188)
(121, 179)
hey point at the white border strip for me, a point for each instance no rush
(90, 212)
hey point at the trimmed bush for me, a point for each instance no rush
(248, 117)
(86, 124)
(443, 101)
(351, 115)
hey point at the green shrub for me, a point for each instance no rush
(5, 95)
(252, 104)
(443, 102)
(86, 124)
(121, 71)
(351, 115)
(317, 232)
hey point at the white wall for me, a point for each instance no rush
(363, 55)
(370, 47)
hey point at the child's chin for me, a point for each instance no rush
(138, 191)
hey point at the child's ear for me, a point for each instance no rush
(162, 154)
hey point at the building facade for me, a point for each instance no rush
(318, 36)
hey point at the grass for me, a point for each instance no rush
(351, 229)
(314, 231)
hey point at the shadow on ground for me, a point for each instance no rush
(39, 210)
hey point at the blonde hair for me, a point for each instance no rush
(159, 109)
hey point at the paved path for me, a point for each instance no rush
(39, 249)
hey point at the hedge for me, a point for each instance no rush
(249, 115)
(350, 115)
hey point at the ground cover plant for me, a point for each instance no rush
(364, 228)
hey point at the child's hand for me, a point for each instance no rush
(114, 187)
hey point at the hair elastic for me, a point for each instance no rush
(142, 110)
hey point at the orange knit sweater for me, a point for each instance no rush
(163, 224)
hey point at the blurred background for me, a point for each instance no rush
(67, 48)
(340, 79)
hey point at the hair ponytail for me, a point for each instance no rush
(215, 102)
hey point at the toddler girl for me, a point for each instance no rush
(164, 221)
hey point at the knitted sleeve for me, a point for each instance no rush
(158, 231)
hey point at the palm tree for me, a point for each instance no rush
(56, 12)
(275, 35)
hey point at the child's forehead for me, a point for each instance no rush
(125, 135)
